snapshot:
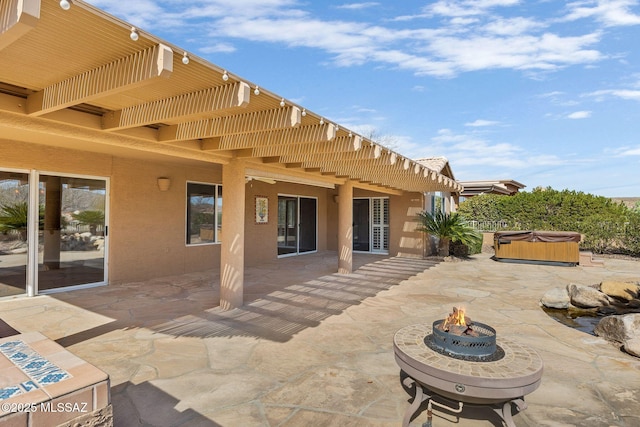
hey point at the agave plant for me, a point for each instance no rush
(448, 227)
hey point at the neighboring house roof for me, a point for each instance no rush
(507, 187)
(438, 164)
(74, 78)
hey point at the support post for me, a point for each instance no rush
(345, 228)
(232, 248)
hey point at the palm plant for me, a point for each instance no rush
(448, 227)
(14, 218)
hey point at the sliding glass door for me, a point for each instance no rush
(52, 234)
(297, 225)
(371, 225)
(71, 239)
(14, 230)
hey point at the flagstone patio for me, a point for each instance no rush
(311, 347)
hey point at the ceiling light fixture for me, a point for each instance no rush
(256, 91)
(64, 4)
(304, 112)
(321, 121)
(134, 34)
(282, 102)
(225, 76)
(337, 128)
(185, 58)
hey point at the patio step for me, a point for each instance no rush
(587, 260)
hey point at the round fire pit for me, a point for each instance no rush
(506, 380)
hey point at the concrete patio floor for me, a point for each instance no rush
(313, 348)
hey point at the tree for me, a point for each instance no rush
(91, 218)
(448, 227)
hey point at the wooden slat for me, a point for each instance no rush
(183, 107)
(259, 121)
(16, 19)
(133, 71)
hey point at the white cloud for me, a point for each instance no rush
(480, 123)
(633, 95)
(357, 6)
(436, 49)
(610, 12)
(579, 115)
(627, 151)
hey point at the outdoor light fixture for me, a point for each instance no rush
(304, 112)
(321, 121)
(350, 134)
(337, 128)
(185, 58)
(256, 91)
(164, 183)
(134, 34)
(225, 76)
(282, 102)
(64, 4)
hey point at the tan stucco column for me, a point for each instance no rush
(345, 228)
(232, 248)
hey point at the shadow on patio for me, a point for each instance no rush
(282, 298)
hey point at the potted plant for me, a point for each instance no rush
(448, 227)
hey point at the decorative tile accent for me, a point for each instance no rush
(41, 371)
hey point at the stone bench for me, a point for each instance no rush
(42, 384)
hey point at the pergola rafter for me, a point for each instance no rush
(122, 74)
(182, 107)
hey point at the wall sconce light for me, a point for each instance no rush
(134, 34)
(225, 76)
(185, 58)
(164, 183)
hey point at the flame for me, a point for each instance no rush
(456, 318)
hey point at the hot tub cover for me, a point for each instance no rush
(538, 236)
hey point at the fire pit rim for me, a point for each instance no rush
(517, 371)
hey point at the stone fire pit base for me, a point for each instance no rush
(498, 384)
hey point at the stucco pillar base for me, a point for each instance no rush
(345, 228)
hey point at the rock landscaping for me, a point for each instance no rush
(617, 301)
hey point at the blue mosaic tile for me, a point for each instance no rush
(41, 371)
(29, 385)
(8, 392)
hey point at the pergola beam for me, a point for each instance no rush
(182, 107)
(17, 17)
(136, 70)
(299, 135)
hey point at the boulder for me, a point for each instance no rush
(623, 290)
(556, 298)
(632, 346)
(586, 296)
(619, 328)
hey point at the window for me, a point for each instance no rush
(204, 213)
(437, 203)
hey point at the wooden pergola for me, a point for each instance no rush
(76, 78)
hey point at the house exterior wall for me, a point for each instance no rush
(261, 245)
(146, 226)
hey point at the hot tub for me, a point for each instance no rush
(537, 246)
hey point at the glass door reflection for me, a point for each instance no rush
(14, 248)
(72, 232)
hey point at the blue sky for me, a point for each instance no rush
(543, 92)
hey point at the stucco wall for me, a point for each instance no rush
(261, 245)
(403, 239)
(146, 226)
